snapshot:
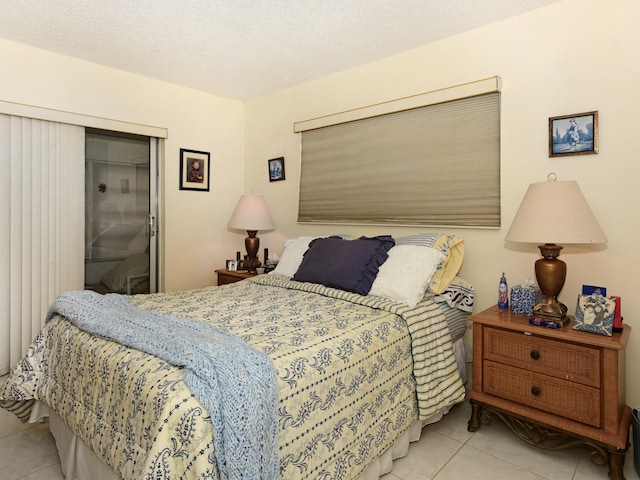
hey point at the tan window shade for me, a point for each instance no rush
(437, 165)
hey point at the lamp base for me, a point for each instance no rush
(550, 274)
(251, 265)
(252, 244)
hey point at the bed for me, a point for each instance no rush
(271, 377)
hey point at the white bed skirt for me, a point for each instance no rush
(78, 462)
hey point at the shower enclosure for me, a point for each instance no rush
(120, 233)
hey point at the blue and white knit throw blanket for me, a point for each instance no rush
(234, 382)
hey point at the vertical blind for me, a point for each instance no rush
(41, 225)
(437, 165)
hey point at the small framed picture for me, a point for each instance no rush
(276, 169)
(594, 314)
(575, 134)
(194, 170)
(232, 265)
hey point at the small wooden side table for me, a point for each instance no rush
(554, 388)
(226, 276)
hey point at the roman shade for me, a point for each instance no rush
(436, 165)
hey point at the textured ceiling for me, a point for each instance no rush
(243, 49)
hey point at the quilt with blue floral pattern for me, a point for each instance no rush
(353, 373)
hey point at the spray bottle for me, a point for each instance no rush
(503, 292)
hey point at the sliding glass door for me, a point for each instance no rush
(120, 212)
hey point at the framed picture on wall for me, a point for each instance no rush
(276, 169)
(575, 134)
(194, 170)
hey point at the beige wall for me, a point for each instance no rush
(196, 240)
(570, 57)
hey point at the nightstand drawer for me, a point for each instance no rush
(225, 276)
(563, 360)
(567, 399)
(225, 279)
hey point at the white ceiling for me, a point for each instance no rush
(243, 49)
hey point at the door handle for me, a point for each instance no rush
(152, 226)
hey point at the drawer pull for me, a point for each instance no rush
(535, 355)
(535, 391)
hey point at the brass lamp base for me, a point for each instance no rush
(252, 244)
(551, 273)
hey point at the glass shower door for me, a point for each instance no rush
(120, 236)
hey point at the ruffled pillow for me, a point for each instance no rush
(349, 265)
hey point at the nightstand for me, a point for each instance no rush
(226, 276)
(554, 388)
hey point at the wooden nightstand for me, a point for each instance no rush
(553, 388)
(225, 276)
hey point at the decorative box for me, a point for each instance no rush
(524, 298)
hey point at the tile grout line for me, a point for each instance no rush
(44, 467)
(462, 445)
(465, 444)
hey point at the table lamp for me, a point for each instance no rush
(251, 214)
(552, 213)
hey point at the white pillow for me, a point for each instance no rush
(406, 274)
(291, 257)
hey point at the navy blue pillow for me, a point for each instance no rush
(350, 265)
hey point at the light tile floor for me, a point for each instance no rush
(446, 451)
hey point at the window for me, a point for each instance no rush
(436, 165)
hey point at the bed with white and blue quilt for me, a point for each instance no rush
(317, 370)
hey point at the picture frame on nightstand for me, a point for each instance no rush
(594, 314)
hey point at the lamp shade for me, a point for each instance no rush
(251, 213)
(555, 212)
